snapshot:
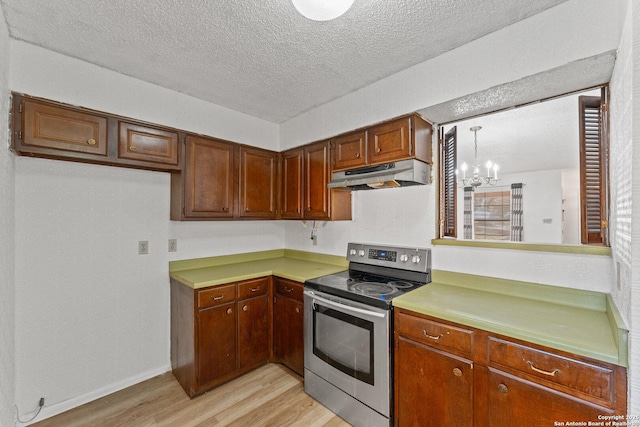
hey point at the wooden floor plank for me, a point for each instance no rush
(269, 396)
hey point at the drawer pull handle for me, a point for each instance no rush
(255, 289)
(457, 372)
(541, 371)
(503, 388)
(91, 141)
(132, 148)
(216, 298)
(433, 337)
(288, 290)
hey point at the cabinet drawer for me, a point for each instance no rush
(60, 128)
(588, 379)
(147, 144)
(216, 295)
(434, 333)
(253, 288)
(289, 288)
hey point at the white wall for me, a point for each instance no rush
(625, 189)
(7, 237)
(91, 314)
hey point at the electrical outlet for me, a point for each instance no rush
(143, 247)
(173, 245)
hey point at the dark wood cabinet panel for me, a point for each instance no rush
(57, 128)
(512, 382)
(406, 137)
(44, 128)
(292, 184)
(288, 318)
(317, 176)
(350, 151)
(258, 183)
(219, 332)
(144, 143)
(216, 343)
(390, 141)
(516, 401)
(254, 331)
(206, 188)
(433, 388)
(306, 173)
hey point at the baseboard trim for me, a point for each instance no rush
(58, 408)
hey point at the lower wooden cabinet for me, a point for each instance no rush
(288, 323)
(452, 375)
(219, 332)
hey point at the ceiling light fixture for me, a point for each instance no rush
(322, 10)
(476, 180)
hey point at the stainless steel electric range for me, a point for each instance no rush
(348, 354)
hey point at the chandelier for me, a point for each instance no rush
(476, 179)
(322, 10)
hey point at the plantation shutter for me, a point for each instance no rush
(593, 167)
(448, 179)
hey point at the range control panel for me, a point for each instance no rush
(404, 258)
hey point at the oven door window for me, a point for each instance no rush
(344, 341)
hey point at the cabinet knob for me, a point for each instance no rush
(378, 149)
(503, 388)
(357, 155)
(225, 209)
(132, 148)
(245, 308)
(247, 209)
(229, 311)
(297, 309)
(91, 141)
(457, 372)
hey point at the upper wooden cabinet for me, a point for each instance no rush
(292, 184)
(223, 180)
(258, 183)
(407, 137)
(350, 150)
(53, 130)
(306, 171)
(58, 131)
(144, 143)
(206, 187)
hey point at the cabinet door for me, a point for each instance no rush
(288, 344)
(209, 184)
(216, 343)
(518, 402)
(292, 174)
(432, 387)
(253, 331)
(317, 176)
(147, 144)
(390, 142)
(350, 151)
(57, 128)
(258, 177)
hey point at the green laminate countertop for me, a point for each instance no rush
(581, 322)
(286, 263)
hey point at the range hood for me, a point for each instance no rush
(395, 174)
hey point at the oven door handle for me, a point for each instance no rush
(344, 307)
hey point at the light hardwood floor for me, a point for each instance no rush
(268, 396)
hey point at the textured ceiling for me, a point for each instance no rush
(259, 57)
